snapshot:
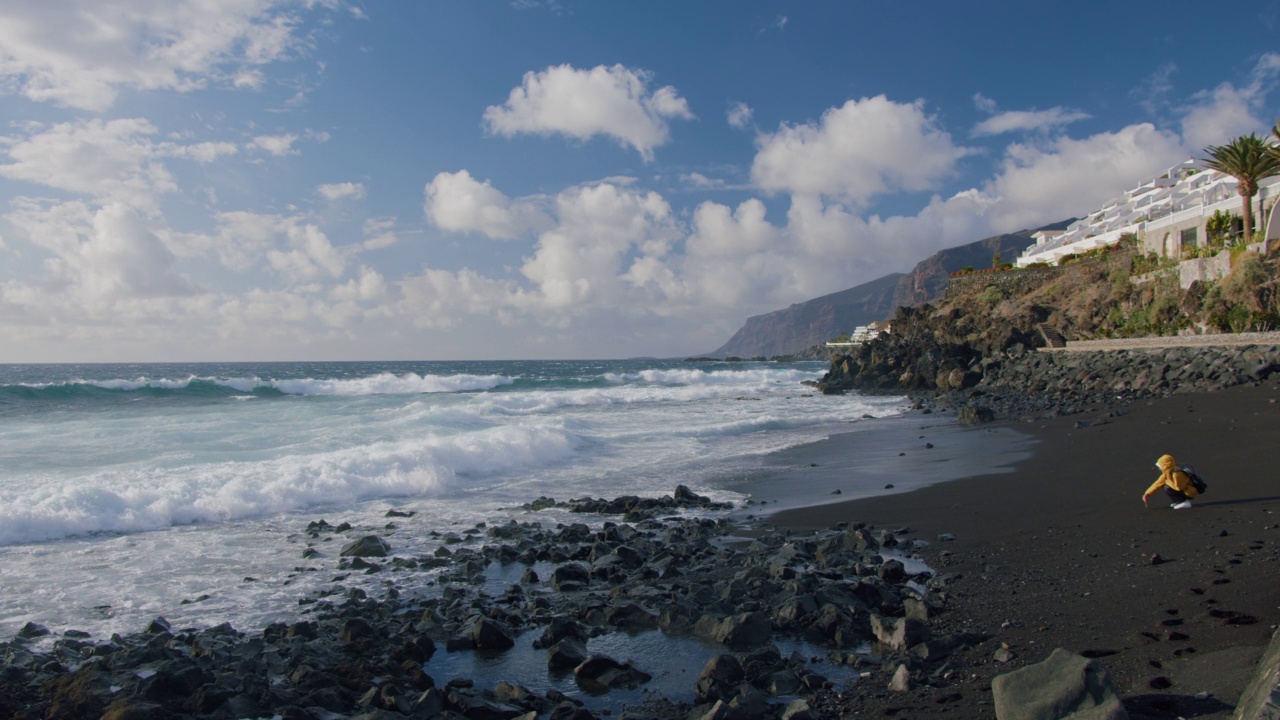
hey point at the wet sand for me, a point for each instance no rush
(1059, 551)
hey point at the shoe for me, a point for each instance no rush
(1182, 505)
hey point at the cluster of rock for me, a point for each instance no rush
(1020, 382)
(355, 655)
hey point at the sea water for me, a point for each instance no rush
(134, 491)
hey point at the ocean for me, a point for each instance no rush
(134, 491)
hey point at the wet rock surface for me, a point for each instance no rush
(356, 655)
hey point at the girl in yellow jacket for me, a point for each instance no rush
(1177, 484)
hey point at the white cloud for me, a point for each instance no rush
(1070, 177)
(580, 261)
(739, 115)
(112, 160)
(205, 152)
(698, 180)
(82, 53)
(312, 256)
(1228, 111)
(98, 259)
(864, 148)
(341, 191)
(278, 145)
(613, 101)
(984, 103)
(1027, 120)
(458, 202)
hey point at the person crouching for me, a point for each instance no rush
(1177, 484)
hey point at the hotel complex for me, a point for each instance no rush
(1167, 213)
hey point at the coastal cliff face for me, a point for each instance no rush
(806, 324)
(927, 282)
(802, 329)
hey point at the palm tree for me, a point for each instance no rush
(1248, 159)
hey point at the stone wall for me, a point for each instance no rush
(1012, 282)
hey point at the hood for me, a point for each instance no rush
(1166, 463)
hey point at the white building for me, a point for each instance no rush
(1167, 213)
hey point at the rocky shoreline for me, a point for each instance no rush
(1020, 383)
(675, 566)
(639, 569)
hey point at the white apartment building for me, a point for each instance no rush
(1167, 213)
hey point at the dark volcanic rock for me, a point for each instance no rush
(367, 546)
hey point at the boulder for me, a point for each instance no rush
(489, 634)
(570, 577)
(744, 630)
(898, 633)
(975, 415)
(1261, 697)
(630, 617)
(901, 680)
(367, 546)
(719, 679)
(567, 654)
(1065, 685)
(600, 673)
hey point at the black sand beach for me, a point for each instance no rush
(1178, 604)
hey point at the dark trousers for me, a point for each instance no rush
(1176, 496)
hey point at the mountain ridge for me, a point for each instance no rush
(803, 325)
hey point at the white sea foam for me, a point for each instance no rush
(128, 501)
(745, 377)
(379, 384)
(387, 383)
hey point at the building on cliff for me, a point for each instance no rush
(1168, 213)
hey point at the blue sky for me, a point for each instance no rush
(331, 179)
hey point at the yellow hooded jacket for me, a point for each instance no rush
(1171, 477)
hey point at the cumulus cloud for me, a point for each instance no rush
(341, 191)
(458, 202)
(739, 115)
(1070, 177)
(108, 160)
(862, 149)
(82, 53)
(97, 258)
(612, 101)
(1028, 120)
(278, 145)
(1227, 111)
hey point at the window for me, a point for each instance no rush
(1190, 236)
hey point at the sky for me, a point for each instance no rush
(255, 180)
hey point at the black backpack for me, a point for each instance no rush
(1196, 481)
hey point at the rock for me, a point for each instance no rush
(559, 628)
(489, 634)
(357, 629)
(744, 630)
(567, 654)
(630, 618)
(367, 546)
(30, 631)
(599, 673)
(898, 633)
(798, 710)
(901, 681)
(126, 710)
(570, 577)
(1261, 697)
(685, 496)
(1065, 685)
(719, 679)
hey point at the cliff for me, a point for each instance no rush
(928, 280)
(814, 322)
(802, 328)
